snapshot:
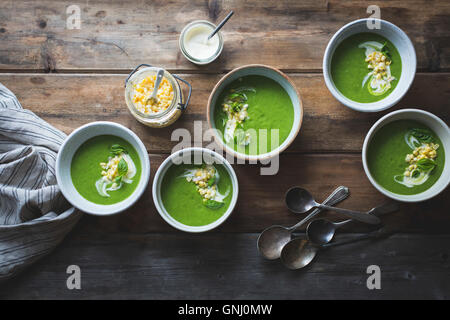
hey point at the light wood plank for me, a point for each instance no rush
(118, 35)
(69, 101)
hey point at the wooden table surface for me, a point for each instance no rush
(72, 77)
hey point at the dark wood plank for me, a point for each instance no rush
(261, 199)
(118, 35)
(69, 101)
(218, 266)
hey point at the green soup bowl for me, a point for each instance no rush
(281, 81)
(192, 156)
(404, 47)
(64, 164)
(439, 127)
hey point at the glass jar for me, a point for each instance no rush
(163, 118)
(191, 27)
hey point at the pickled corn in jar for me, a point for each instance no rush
(170, 102)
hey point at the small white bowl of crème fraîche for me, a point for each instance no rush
(195, 45)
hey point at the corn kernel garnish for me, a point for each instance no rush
(421, 161)
(378, 58)
(427, 150)
(204, 179)
(378, 61)
(235, 106)
(144, 89)
(111, 168)
(424, 151)
(119, 169)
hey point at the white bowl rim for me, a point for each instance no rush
(369, 135)
(372, 106)
(264, 156)
(166, 216)
(137, 193)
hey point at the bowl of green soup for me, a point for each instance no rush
(406, 155)
(369, 69)
(255, 112)
(195, 190)
(102, 168)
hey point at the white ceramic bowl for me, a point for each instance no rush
(71, 145)
(181, 43)
(435, 124)
(177, 158)
(269, 72)
(404, 47)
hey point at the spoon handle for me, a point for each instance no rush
(378, 211)
(339, 194)
(360, 216)
(382, 232)
(220, 25)
(159, 77)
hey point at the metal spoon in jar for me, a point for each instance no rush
(321, 231)
(272, 240)
(153, 97)
(298, 253)
(220, 25)
(302, 201)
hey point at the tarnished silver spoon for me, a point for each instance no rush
(272, 240)
(305, 202)
(321, 231)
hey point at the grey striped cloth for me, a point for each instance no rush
(34, 216)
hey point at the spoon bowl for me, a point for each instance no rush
(320, 231)
(272, 240)
(298, 200)
(298, 253)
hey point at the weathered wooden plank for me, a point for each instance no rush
(261, 199)
(69, 101)
(228, 266)
(118, 35)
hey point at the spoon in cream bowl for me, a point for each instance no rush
(220, 25)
